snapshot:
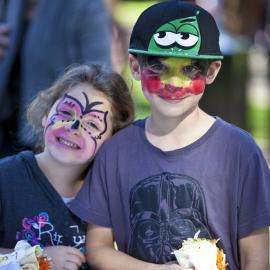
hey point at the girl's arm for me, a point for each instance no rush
(102, 255)
(254, 250)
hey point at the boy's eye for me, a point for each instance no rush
(191, 70)
(158, 68)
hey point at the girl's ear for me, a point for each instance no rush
(212, 71)
(44, 120)
(134, 67)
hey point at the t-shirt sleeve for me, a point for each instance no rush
(91, 203)
(254, 196)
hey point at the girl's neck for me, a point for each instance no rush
(66, 179)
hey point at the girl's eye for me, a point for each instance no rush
(66, 113)
(92, 125)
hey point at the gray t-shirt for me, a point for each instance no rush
(153, 200)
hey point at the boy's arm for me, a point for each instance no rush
(102, 255)
(254, 250)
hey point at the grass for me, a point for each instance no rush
(259, 122)
(259, 125)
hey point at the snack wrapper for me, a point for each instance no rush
(201, 254)
(25, 257)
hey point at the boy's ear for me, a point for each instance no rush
(134, 67)
(212, 71)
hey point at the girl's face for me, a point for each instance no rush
(77, 125)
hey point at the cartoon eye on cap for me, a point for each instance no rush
(169, 39)
(177, 35)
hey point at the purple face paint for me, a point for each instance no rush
(75, 127)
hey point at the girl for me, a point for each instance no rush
(69, 122)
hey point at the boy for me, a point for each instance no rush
(179, 171)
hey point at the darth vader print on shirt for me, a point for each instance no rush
(165, 209)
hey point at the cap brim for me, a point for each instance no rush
(172, 54)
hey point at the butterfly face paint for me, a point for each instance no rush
(75, 128)
(173, 78)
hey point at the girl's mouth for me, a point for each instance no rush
(68, 143)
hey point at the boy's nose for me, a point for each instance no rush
(76, 124)
(178, 82)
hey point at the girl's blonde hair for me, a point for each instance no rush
(110, 83)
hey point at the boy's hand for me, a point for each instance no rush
(4, 39)
(64, 257)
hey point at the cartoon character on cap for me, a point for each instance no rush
(177, 36)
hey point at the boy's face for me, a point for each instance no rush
(173, 79)
(173, 86)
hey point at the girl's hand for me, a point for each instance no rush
(64, 257)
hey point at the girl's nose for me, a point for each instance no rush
(76, 124)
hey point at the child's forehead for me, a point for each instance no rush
(85, 92)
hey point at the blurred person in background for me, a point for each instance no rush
(119, 38)
(38, 40)
(244, 82)
(238, 22)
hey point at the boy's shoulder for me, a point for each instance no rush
(226, 131)
(126, 136)
(234, 131)
(236, 137)
(131, 130)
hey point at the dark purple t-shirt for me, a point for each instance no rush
(153, 200)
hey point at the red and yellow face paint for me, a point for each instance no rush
(173, 78)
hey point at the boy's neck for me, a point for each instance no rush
(169, 133)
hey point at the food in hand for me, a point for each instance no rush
(201, 254)
(25, 257)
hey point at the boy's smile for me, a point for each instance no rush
(173, 79)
